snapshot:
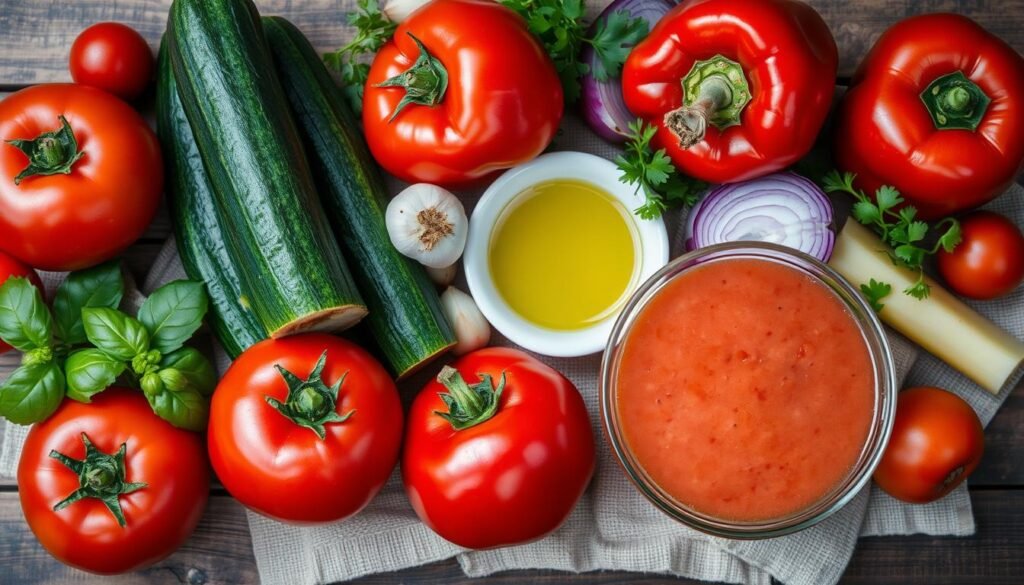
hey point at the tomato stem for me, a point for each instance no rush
(955, 102)
(425, 82)
(100, 476)
(468, 405)
(311, 403)
(51, 153)
(715, 91)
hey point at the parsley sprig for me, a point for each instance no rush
(559, 26)
(899, 228)
(653, 173)
(373, 29)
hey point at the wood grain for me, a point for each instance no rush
(220, 552)
(37, 34)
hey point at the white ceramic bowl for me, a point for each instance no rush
(652, 250)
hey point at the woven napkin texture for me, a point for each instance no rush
(613, 527)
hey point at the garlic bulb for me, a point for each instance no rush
(428, 224)
(398, 10)
(472, 331)
(443, 277)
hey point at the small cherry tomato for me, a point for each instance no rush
(10, 267)
(305, 429)
(989, 262)
(109, 486)
(937, 442)
(112, 57)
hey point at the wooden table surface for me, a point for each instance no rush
(34, 39)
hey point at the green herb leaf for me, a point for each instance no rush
(32, 393)
(654, 174)
(899, 229)
(373, 29)
(194, 366)
(185, 409)
(558, 25)
(116, 334)
(874, 292)
(25, 321)
(173, 313)
(89, 372)
(614, 37)
(101, 286)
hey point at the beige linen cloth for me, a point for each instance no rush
(613, 527)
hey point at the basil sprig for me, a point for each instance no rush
(86, 345)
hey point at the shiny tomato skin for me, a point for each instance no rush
(112, 57)
(10, 267)
(502, 106)
(77, 220)
(989, 262)
(159, 517)
(284, 471)
(937, 442)
(511, 479)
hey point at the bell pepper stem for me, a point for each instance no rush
(954, 102)
(715, 93)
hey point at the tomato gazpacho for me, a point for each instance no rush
(745, 390)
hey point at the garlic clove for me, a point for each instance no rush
(398, 10)
(472, 331)
(443, 277)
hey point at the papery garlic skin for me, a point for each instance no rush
(472, 331)
(428, 224)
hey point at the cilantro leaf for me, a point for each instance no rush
(654, 174)
(874, 292)
(897, 224)
(614, 37)
(373, 29)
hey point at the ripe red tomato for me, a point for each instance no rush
(287, 442)
(937, 442)
(507, 460)
(158, 517)
(57, 220)
(989, 262)
(10, 267)
(112, 57)
(485, 96)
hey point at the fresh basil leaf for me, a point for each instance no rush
(32, 393)
(115, 333)
(185, 409)
(173, 313)
(100, 286)
(25, 321)
(194, 366)
(89, 372)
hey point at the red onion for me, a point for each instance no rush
(604, 108)
(783, 208)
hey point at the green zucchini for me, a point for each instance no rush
(406, 318)
(277, 234)
(197, 227)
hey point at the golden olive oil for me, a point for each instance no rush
(564, 254)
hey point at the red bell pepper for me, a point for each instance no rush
(738, 88)
(936, 109)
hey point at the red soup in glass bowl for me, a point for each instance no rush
(748, 390)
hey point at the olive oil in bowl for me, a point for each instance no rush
(563, 254)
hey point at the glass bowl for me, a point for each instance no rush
(884, 403)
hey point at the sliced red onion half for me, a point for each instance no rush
(783, 208)
(603, 106)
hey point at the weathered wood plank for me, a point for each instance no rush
(38, 34)
(220, 552)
